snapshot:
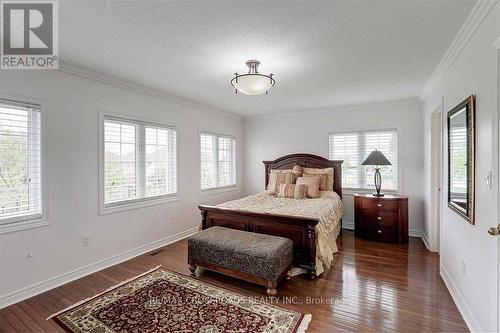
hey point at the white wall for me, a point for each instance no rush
(474, 286)
(71, 105)
(276, 135)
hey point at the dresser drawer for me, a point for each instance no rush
(377, 231)
(384, 217)
(379, 204)
(384, 234)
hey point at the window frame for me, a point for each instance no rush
(125, 205)
(352, 190)
(26, 222)
(217, 189)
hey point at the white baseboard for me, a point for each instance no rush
(348, 225)
(38, 288)
(415, 233)
(471, 321)
(426, 241)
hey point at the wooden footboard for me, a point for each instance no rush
(301, 230)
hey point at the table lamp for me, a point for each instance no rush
(377, 158)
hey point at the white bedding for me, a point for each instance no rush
(328, 209)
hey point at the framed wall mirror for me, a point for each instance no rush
(461, 147)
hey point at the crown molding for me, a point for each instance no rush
(414, 101)
(140, 89)
(481, 9)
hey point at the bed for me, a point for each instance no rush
(314, 225)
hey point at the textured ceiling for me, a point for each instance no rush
(323, 53)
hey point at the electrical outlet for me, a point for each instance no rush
(487, 180)
(85, 240)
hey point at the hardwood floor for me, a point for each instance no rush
(377, 287)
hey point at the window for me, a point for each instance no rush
(140, 161)
(21, 195)
(354, 147)
(217, 161)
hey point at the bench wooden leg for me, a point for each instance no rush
(192, 268)
(271, 287)
(271, 292)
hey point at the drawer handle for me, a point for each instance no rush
(379, 218)
(379, 231)
(379, 205)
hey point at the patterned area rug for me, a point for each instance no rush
(164, 301)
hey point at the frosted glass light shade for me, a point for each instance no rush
(253, 84)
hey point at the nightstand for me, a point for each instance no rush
(383, 219)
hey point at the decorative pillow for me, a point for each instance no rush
(294, 171)
(278, 171)
(277, 177)
(292, 191)
(312, 185)
(316, 172)
(297, 169)
(323, 180)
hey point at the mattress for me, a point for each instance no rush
(328, 209)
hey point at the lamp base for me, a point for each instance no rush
(378, 183)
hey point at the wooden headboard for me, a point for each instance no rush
(309, 161)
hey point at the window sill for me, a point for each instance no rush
(137, 204)
(352, 191)
(24, 225)
(216, 190)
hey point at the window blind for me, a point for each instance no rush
(120, 161)
(161, 161)
(208, 167)
(21, 162)
(217, 161)
(346, 147)
(140, 161)
(458, 152)
(387, 143)
(227, 159)
(354, 147)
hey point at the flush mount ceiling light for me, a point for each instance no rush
(253, 83)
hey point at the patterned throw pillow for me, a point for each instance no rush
(276, 178)
(317, 172)
(323, 180)
(312, 185)
(292, 191)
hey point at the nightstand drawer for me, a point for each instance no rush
(379, 205)
(376, 223)
(378, 232)
(386, 234)
(379, 215)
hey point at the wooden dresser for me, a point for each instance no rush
(382, 219)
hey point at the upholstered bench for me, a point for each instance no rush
(256, 258)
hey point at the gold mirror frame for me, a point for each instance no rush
(464, 209)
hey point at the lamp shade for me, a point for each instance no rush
(253, 84)
(376, 158)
